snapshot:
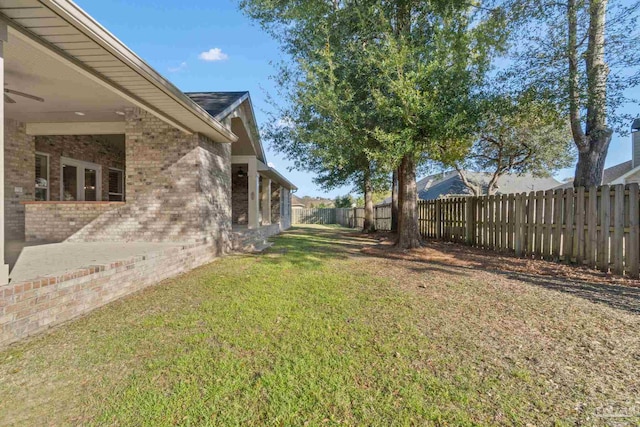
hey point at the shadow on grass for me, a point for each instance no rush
(311, 246)
(625, 298)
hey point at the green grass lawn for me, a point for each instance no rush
(313, 332)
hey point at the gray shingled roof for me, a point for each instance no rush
(609, 174)
(216, 102)
(449, 183)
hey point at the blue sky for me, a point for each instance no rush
(171, 35)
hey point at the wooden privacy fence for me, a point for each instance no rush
(598, 227)
(313, 216)
(347, 217)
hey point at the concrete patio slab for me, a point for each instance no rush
(57, 258)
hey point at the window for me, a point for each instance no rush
(42, 177)
(80, 180)
(116, 185)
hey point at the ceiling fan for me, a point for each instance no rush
(10, 100)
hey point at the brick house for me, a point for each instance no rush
(99, 149)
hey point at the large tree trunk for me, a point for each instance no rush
(369, 220)
(394, 201)
(408, 232)
(590, 166)
(593, 143)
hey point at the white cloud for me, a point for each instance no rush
(181, 67)
(214, 54)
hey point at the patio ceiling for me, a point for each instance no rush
(65, 91)
(61, 54)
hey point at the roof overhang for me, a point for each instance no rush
(243, 109)
(62, 29)
(274, 175)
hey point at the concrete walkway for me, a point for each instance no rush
(56, 258)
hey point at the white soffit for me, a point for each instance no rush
(61, 28)
(75, 128)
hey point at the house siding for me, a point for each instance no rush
(634, 177)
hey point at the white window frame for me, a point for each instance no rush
(121, 181)
(38, 153)
(81, 166)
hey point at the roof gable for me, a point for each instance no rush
(218, 104)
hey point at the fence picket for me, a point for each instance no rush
(568, 236)
(558, 196)
(633, 249)
(592, 227)
(580, 240)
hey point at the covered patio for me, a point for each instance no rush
(112, 178)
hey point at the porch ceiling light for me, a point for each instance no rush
(79, 113)
(240, 173)
(120, 113)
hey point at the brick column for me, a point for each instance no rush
(254, 191)
(266, 201)
(4, 268)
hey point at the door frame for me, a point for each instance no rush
(81, 165)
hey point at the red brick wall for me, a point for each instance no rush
(104, 150)
(178, 187)
(30, 307)
(19, 174)
(57, 221)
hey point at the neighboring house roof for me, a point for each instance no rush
(608, 176)
(296, 201)
(450, 183)
(218, 104)
(107, 61)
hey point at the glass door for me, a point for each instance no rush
(80, 180)
(90, 185)
(69, 182)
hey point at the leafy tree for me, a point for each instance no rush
(583, 53)
(345, 201)
(517, 135)
(431, 57)
(378, 85)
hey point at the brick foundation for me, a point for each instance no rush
(27, 308)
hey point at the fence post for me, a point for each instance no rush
(605, 224)
(469, 225)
